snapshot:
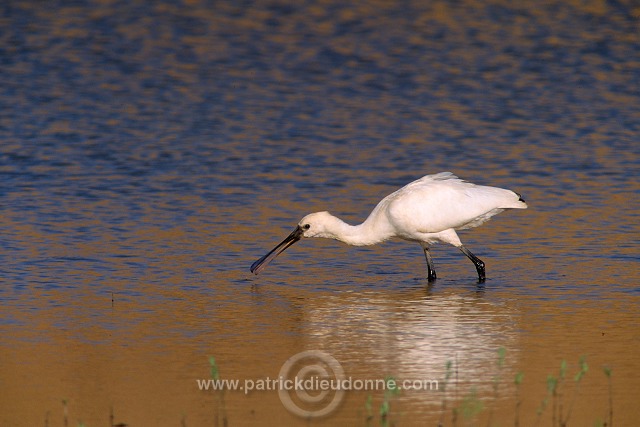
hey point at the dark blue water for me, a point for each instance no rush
(151, 151)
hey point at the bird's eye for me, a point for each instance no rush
(306, 226)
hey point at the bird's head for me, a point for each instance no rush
(317, 224)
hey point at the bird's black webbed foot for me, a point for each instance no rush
(477, 262)
(431, 275)
(480, 268)
(431, 271)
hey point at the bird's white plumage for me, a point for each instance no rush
(435, 203)
(427, 210)
(427, 206)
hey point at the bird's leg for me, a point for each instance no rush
(431, 272)
(476, 261)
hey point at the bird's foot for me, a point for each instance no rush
(480, 269)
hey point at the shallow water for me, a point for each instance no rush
(150, 153)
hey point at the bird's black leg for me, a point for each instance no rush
(431, 272)
(476, 261)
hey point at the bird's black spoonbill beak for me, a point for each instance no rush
(260, 264)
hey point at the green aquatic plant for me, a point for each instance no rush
(220, 416)
(558, 401)
(608, 418)
(517, 381)
(471, 405)
(391, 391)
(607, 372)
(577, 379)
(368, 407)
(552, 392)
(555, 392)
(214, 370)
(497, 378)
(443, 388)
(65, 413)
(384, 412)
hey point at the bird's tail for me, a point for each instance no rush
(519, 204)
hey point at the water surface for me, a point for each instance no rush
(149, 153)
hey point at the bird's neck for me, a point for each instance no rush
(367, 233)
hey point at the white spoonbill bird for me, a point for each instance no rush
(426, 211)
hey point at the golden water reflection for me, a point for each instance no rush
(142, 363)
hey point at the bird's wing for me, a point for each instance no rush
(443, 201)
(442, 176)
(419, 185)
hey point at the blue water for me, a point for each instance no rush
(151, 151)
